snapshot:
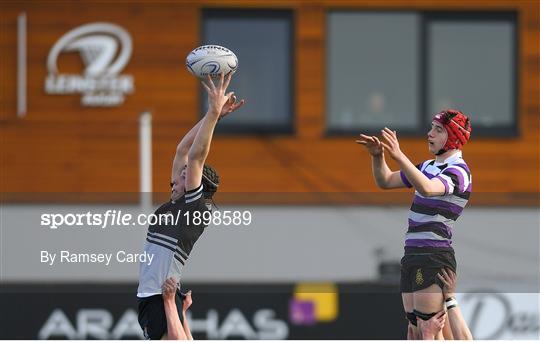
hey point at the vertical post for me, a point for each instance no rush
(145, 161)
(21, 65)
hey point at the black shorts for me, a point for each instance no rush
(419, 270)
(152, 318)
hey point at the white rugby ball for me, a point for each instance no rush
(211, 60)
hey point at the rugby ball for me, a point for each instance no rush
(211, 60)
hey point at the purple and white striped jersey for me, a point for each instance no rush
(431, 219)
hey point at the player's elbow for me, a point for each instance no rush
(428, 191)
(383, 186)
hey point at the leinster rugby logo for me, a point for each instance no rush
(105, 50)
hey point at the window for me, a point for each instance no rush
(398, 69)
(262, 41)
(372, 74)
(471, 66)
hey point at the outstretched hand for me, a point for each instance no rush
(169, 289)
(392, 143)
(231, 105)
(216, 94)
(449, 279)
(372, 144)
(187, 301)
(430, 328)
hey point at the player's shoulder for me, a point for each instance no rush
(425, 164)
(458, 163)
(194, 195)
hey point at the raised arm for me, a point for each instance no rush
(201, 144)
(425, 186)
(430, 328)
(182, 149)
(185, 306)
(175, 331)
(384, 177)
(460, 329)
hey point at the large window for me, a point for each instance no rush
(262, 41)
(472, 67)
(372, 74)
(398, 69)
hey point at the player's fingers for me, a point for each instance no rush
(367, 140)
(227, 81)
(377, 141)
(237, 105)
(445, 274)
(365, 136)
(221, 81)
(388, 138)
(385, 146)
(442, 320)
(451, 273)
(208, 90)
(390, 132)
(210, 82)
(361, 142)
(443, 280)
(171, 283)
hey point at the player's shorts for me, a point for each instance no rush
(419, 268)
(152, 318)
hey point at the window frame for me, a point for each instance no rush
(285, 128)
(423, 97)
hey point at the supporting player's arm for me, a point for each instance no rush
(430, 328)
(425, 186)
(175, 331)
(460, 329)
(384, 177)
(201, 144)
(185, 306)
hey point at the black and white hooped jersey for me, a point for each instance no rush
(171, 240)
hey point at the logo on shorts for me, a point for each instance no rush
(105, 49)
(419, 277)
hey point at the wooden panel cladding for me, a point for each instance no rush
(61, 147)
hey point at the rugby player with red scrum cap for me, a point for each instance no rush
(442, 189)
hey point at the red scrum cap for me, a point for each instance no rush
(458, 127)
